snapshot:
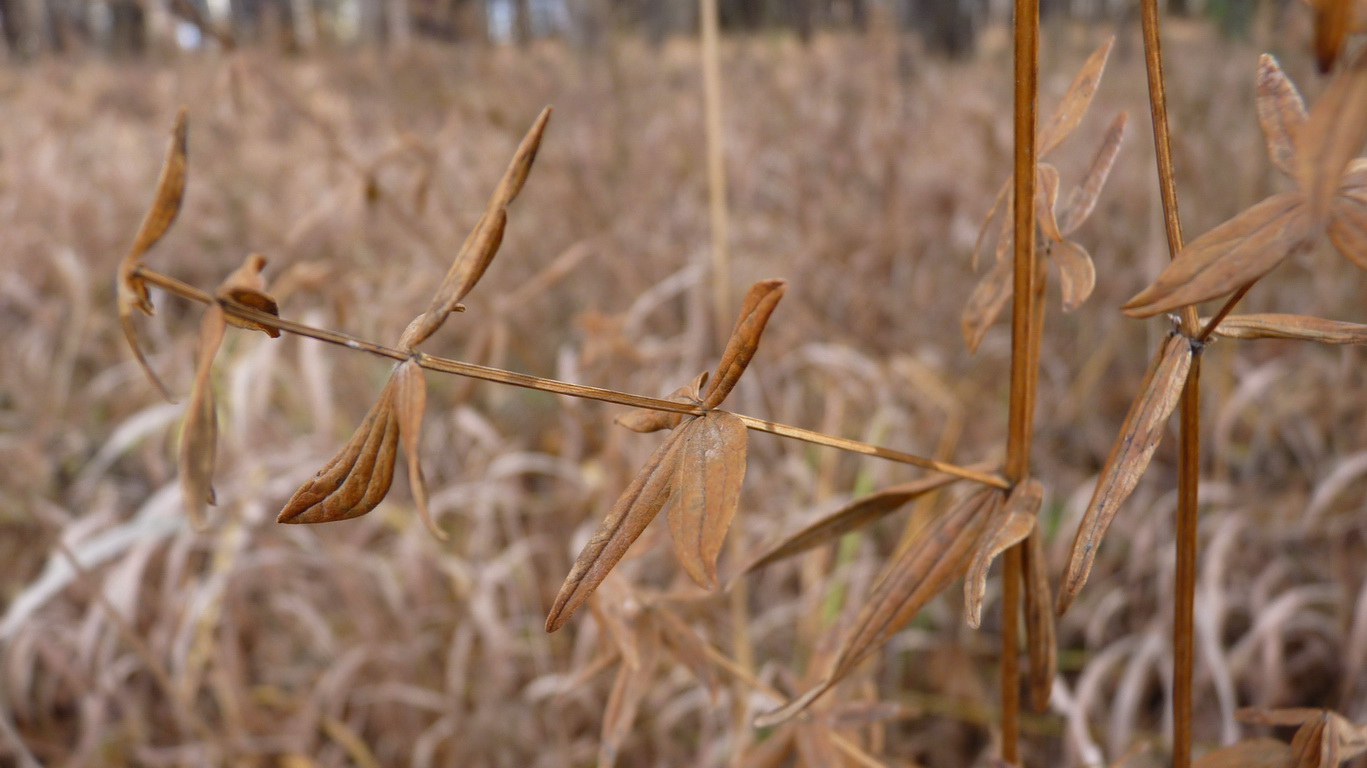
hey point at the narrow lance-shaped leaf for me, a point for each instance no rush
(1333, 133)
(1041, 640)
(1077, 273)
(132, 291)
(1129, 457)
(199, 437)
(355, 480)
(1333, 21)
(940, 555)
(986, 303)
(1075, 101)
(758, 305)
(410, 402)
(1348, 222)
(1001, 203)
(1082, 200)
(1298, 327)
(634, 510)
(1228, 257)
(651, 420)
(1281, 113)
(1011, 523)
(857, 514)
(707, 489)
(1046, 200)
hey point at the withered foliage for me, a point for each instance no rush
(1323, 739)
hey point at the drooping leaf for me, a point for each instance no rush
(986, 303)
(1075, 101)
(651, 420)
(1281, 113)
(940, 555)
(357, 478)
(1332, 135)
(1348, 219)
(1129, 457)
(1299, 327)
(857, 514)
(634, 510)
(1046, 200)
(131, 289)
(410, 402)
(247, 287)
(1230, 256)
(628, 689)
(1077, 273)
(1011, 523)
(758, 305)
(1082, 200)
(1041, 641)
(707, 491)
(199, 437)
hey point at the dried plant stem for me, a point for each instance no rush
(716, 171)
(1209, 327)
(498, 375)
(1189, 449)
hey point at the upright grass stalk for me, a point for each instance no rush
(1189, 450)
(1024, 352)
(716, 171)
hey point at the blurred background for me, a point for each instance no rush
(354, 142)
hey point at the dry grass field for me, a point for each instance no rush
(860, 172)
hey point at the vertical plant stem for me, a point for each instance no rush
(716, 171)
(1024, 351)
(1189, 450)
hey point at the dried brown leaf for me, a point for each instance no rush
(1289, 716)
(1041, 641)
(1281, 113)
(1075, 101)
(707, 490)
(1314, 746)
(1333, 22)
(758, 305)
(1004, 198)
(1046, 200)
(1333, 133)
(940, 555)
(1077, 273)
(410, 402)
(1129, 457)
(1299, 327)
(857, 514)
(357, 478)
(628, 689)
(1348, 222)
(199, 438)
(247, 287)
(651, 420)
(986, 303)
(1082, 200)
(634, 510)
(1230, 256)
(689, 649)
(1258, 753)
(1011, 523)
(131, 289)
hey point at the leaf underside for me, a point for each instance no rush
(707, 491)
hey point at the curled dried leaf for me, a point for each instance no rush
(1011, 523)
(1129, 457)
(357, 478)
(637, 506)
(1077, 273)
(410, 402)
(1041, 641)
(1281, 113)
(1075, 101)
(1082, 200)
(986, 303)
(857, 514)
(1046, 200)
(199, 438)
(1298, 327)
(651, 420)
(247, 287)
(707, 489)
(758, 305)
(1230, 256)
(1333, 133)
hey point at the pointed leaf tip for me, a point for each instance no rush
(758, 305)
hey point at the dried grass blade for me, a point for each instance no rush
(857, 514)
(1041, 640)
(410, 402)
(357, 478)
(985, 304)
(199, 438)
(688, 648)
(1281, 113)
(628, 689)
(1129, 457)
(711, 471)
(759, 304)
(1011, 523)
(1075, 101)
(1348, 224)
(1258, 753)
(1333, 20)
(1333, 133)
(1228, 257)
(1298, 327)
(1046, 200)
(1077, 273)
(923, 570)
(1082, 200)
(634, 510)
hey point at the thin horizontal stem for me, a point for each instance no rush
(526, 381)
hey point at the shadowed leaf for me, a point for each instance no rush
(1082, 201)
(707, 491)
(1011, 523)
(1348, 224)
(1077, 273)
(857, 514)
(199, 438)
(986, 303)
(651, 420)
(410, 402)
(1041, 641)
(1228, 257)
(1075, 101)
(628, 688)
(132, 291)
(759, 303)
(355, 480)
(1299, 327)
(633, 511)
(1333, 20)
(1331, 136)
(1129, 457)
(1281, 113)
(940, 555)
